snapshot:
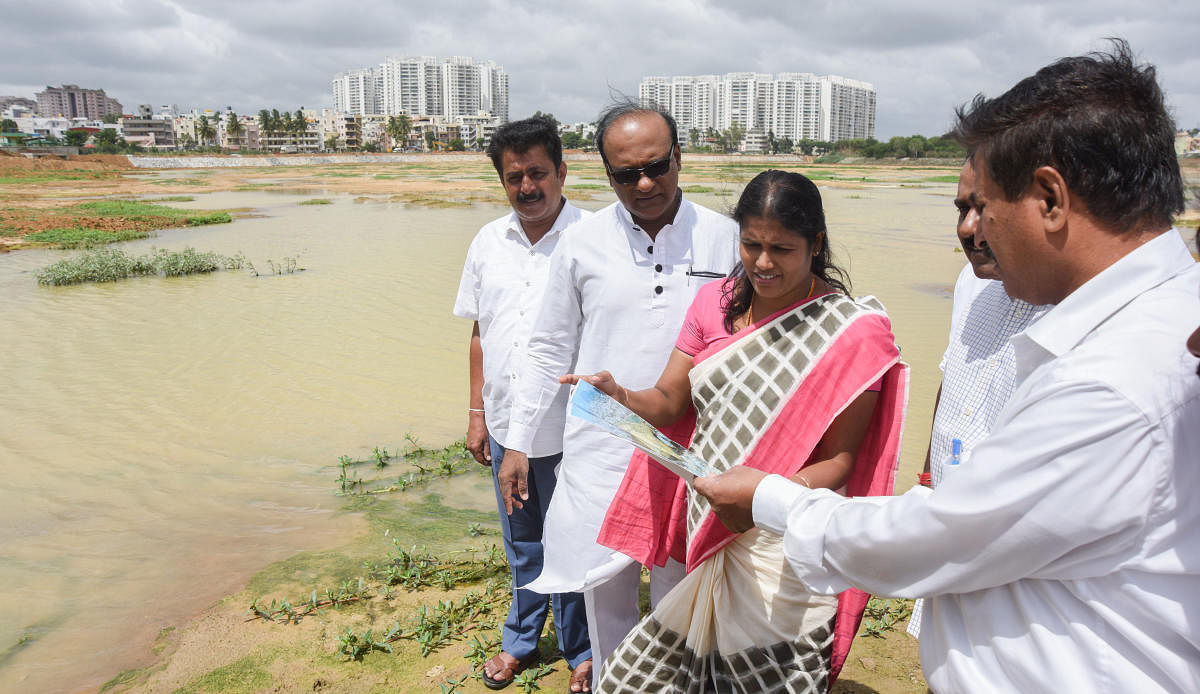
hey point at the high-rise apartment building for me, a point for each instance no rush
(424, 86)
(71, 101)
(793, 105)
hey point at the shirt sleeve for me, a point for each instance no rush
(552, 349)
(691, 336)
(1060, 490)
(466, 303)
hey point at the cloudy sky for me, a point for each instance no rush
(924, 57)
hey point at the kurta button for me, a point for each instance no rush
(649, 249)
(658, 289)
(658, 268)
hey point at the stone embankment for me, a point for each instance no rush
(227, 161)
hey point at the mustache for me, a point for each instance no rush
(530, 197)
(970, 247)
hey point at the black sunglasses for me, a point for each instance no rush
(629, 177)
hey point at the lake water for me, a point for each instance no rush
(164, 439)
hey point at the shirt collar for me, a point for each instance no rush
(683, 214)
(1069, 322)
(565, 217)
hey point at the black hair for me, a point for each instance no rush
(625, 106)
(1100, 120)
(793, 201)
(521, 135)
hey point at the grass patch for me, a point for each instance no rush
(317, 201)
(52, 176)
(130, 209)
(247, 674)
(587, 186)
(173, 198)
(79, 237)
(698, 189)
(110, 265)
(941, 179)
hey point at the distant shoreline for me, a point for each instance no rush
(209, 161)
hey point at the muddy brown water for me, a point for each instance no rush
(163, 439)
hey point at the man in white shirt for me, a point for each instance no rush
(1065, 555)
(620, 284)
(502, 286)
(978, 367)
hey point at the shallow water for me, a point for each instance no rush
(163, 439)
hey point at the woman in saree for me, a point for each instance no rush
(788, 374)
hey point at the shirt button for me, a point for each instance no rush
(658, 289)
(516, 344)
(968, 412)
(521, 312)
(531, 252)
(649, 249)
(658, 268)
(529, 284)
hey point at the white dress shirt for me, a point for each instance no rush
(1065, 556)
(503, 280)
(979, 366)
(978, 373)
(615, 301)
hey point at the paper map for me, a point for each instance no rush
(593, 406)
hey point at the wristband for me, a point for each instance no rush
(924, 479)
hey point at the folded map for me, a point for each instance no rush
(591, 405)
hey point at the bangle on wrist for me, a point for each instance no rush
(475, 409)
(925, 479)
(804, 481)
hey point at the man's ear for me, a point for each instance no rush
(1049, 189)
(562, 172)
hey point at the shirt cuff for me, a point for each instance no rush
(520, 437)
(773, 498)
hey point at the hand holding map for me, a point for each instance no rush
(593, 406)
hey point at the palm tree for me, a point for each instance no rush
(204, 130)
(398, 128)
(264, 126)
(234, 128)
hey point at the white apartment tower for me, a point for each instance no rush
(354, 92)
(793, 105)
(424, 86)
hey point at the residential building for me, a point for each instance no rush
(792, 105)
(17, 107)
(345, 127)
(148, 131)
(72, 101)
(454, 87)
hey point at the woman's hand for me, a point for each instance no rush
(603, 382)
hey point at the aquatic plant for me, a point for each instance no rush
(110, 265)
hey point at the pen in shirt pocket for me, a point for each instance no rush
(707, 274)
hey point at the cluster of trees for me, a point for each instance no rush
(273, 124)
(899, 147)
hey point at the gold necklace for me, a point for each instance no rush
(811, 288)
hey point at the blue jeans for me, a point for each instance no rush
(523, 546)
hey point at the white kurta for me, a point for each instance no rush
(615, 300)
(1065, 555)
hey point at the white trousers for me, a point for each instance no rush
(612, 607)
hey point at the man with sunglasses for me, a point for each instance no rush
(620, 284)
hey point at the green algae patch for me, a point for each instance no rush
(243, 676)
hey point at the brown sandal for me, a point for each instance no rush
(507, 667)
(581, 677)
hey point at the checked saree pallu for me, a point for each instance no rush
(741, 620)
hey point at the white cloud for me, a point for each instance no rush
(924, 58)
